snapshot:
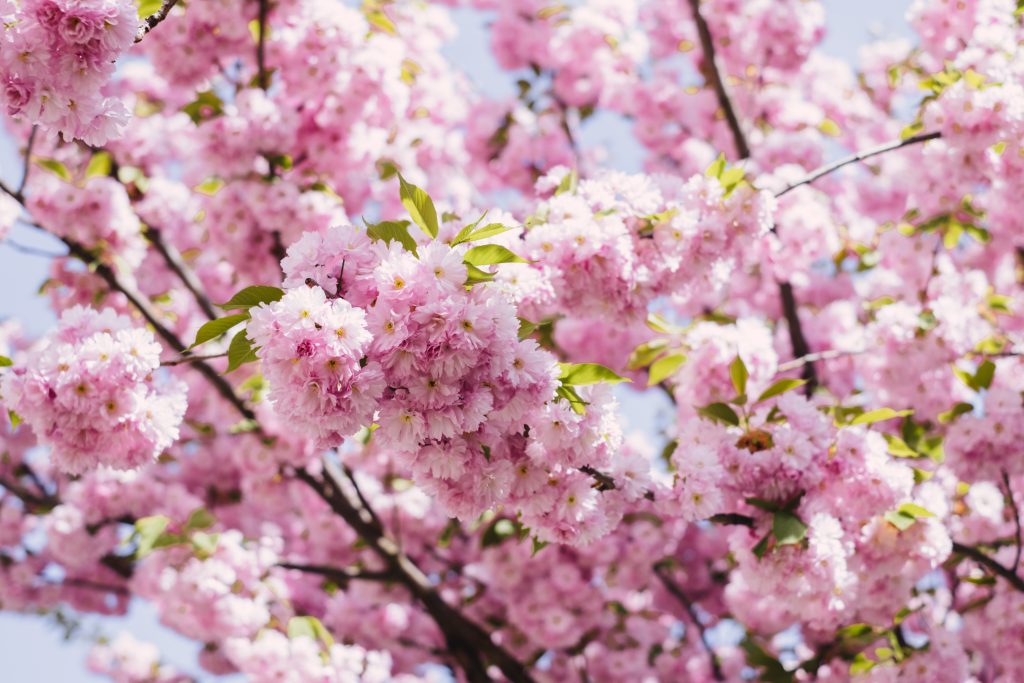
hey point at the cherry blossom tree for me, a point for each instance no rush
(343, 343)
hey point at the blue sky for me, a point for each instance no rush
(32, 649)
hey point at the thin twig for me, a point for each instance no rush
(174, 261)
(261, 64)
(789, 304)
(981, 558)
(351, 476)
(467, 641)
(1016, 518)
(858, 156)
(815, 357)
(27, 166)
(152, 20)
(662, 573)
(714, 75)
(801, 349)
(31, 251)
(340, 576)
(184, 360)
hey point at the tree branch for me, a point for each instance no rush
(27, 166)
(714, 75)
(1016, 519)
(662, 573)
(138, 300)
(262, 77)
(981, 558)
(184, 273)
(814, 357)
(467, 641)
(184, 360)
(152, 20)
(789, 304)
(340, 576)
(858, 156)
(801, 349)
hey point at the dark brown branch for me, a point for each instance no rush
(796, 336)
(789, 305)
(467, 641)
(1016, 519)
(262, 77)
(154, 19)
(662, 573)
(184, 360)
(714, 75)
(858, 156)
(992, 565)
(139, 301)
(605, 482)
(814, 357)
(93, 585)
(27, 166)
(30, 251)
(339, 576)
(184, 273)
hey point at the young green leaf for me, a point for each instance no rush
(489, 230)
(780, 387)
(199, 519)
(5, 362)
(475, 275)
(577, 374)
(216, 328)
(720, 412)
(149, 530)
(309, 627)
(879, 415)
(787, 528)
(578, 405)
(240, 351)
(419, 205)
(391, 231)
(56, 167)
(739, 375)
(664, 367)
(99, 165)
(491, 254)
(253, 296)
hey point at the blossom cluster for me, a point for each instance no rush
(88, 390)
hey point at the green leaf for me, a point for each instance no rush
(240, 351)
(475, 275)
(906, 515)
(206, 105)
(739, 375)
(209, 187)
(861, 664)
(56, 167)
(526, 328)
(99, 165)
(148, 8)
(419, 205)
(491, 254)
(577, 374)
(253, 296)
(568, 183)
(955, 412)
(879, 415)
(489, 230)
(716, 168)
(391, 231)
(787, 528)
(309, 627)
(731, 519)
(761, 548)
(538, 545)
(381, 21)
(898, 448)
(216, 328)
(199, 519)
(578, 405)
(664, 367)
(149, 531)
(780, 387)
(14, 418)
(204, 544)
(498, 532)
(984, 375)
(5, 362)
(830, 128)
(646, 353)
(720, 412)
